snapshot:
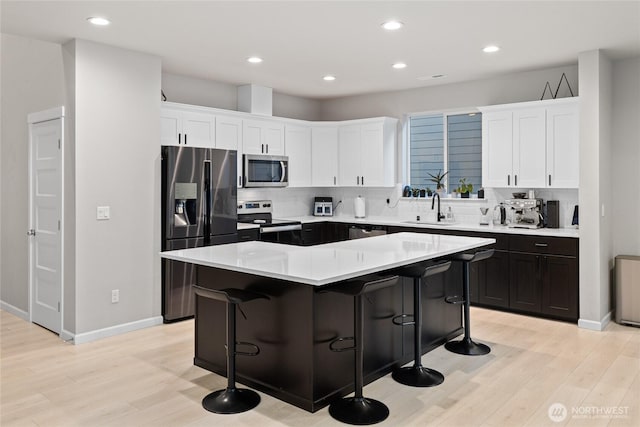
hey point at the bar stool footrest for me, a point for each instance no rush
(456, 299)
(359, 411)
(231, 401)
(417, 376)
(467, 347)
(396, 320)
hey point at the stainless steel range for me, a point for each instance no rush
(271, 229)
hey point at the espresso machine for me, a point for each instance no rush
(525, 213)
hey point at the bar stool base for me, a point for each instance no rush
(417, 376)
(231, 401)
(467, 347)
(359, 411)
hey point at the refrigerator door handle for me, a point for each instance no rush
(207, 196)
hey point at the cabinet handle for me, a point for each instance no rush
(541, 245)
(516, 180)
(363, 180)
(549, 179)
(262, 148)
(358, 180)
(185, 139)
(267, 147)
(334, 180)
(179, 138)
(239, 181)
(508, 179)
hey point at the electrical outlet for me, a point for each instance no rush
(115, 296)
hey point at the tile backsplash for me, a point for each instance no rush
(289, 202)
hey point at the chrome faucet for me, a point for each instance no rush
(439, 215)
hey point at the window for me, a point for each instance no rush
(445, 142)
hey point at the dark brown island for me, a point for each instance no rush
(294, 327)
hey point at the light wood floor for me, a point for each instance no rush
(147, 378)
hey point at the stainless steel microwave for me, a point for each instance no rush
(265, 170)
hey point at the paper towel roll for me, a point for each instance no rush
(358, 207)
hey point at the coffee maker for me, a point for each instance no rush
(323, 206)
(525, 213)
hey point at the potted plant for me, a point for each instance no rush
(429, 192)
(464, 188)
(439, 180)
(415, 192)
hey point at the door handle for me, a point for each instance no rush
(31, 232)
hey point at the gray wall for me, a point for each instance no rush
(207, 93)
(117, 131)
(625, 172)
(517, 87)
(32, 80)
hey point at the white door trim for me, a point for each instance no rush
(34, 118)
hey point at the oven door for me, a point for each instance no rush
(266, 171)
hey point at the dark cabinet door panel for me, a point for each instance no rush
(559, 285)
(525, 276)
(493, 280)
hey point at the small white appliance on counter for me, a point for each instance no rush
(323, 206)
(359, 207)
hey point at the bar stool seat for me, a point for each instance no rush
(231, 400)
(418, 375)
(466, 346)
(359, 410)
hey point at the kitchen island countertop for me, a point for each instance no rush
(328, 263)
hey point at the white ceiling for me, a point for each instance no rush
(301, 41)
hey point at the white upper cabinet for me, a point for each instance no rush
(229, 137)
(298, 143)
(262, 137)
(187, 127)
(530, 145)
(324, 155)
(529, 154)
(563, 144)
(497, 148)
(366, 153)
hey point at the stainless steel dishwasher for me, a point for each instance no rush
(362, 231)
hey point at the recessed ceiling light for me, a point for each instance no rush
(254, 59)
(392, 25)
(490, 49)
(399, 65)
(96, 20)
(329, 78)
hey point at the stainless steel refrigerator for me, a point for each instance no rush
(199, 195)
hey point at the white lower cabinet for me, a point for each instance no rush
(298, 142)
(324, 155)
(531, 145)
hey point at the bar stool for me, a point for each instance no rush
(359, 410)
(231, 400)
(466, 346)
(418, 375)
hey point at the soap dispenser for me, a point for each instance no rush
(449, 215)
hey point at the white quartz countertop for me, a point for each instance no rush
(373, 220)
(332, 262)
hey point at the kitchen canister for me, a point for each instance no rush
(358, 207)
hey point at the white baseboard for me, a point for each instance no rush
(14, 310)
(116, 330)
(593, 325)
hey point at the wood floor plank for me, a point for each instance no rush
(147, 377)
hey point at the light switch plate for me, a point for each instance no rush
(103, 212)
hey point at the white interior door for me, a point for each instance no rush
(46, 214)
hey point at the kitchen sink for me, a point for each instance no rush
(442, 223)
